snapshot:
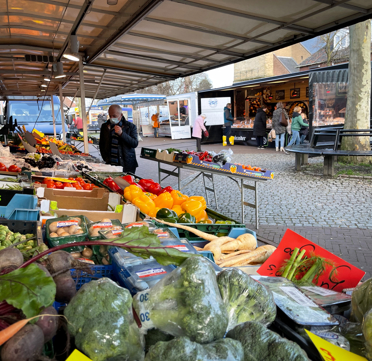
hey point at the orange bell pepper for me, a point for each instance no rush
(193, 207)
(178, 209)
(144, 203)
(178, 197)
(199, 199)
(164, 200)
(132, 192)
(202, 216)
(153, 212)
(151, 195)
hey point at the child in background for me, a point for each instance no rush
(304, 131)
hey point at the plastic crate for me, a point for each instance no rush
(22, 207)
(56, 241)
(6, 195)
(148, 153)
(81, 278)
(25, 227)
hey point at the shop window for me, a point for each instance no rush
(329, 103)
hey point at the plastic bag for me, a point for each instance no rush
(182, 349)
(223, 157)
(245, 298)
(186, 302)
(361, 300)
(367, 332)
(101, 319)
(259, 343)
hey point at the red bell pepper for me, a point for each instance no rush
(146, 183)
(166, 189)
(204, 155)
(111, 184)
(128, 178)
(140, 187)
(154, 188)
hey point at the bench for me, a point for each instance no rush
(329, 150)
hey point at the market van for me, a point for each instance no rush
(35, 113)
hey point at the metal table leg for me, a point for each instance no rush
(159, 170)
(256, 202)
(211, 189)
(242, 199)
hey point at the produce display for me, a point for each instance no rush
(77, 183)
(25, 243)
(69, 226)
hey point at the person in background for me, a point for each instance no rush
(228, 122)
(118, 140)
(102, 118)
(279, 129)
(304, 131)
(259, 127)
(297, 123)
(199, 127)
(155, 124)
(78, 123)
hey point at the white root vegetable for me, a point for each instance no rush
(244, 242)
(220, 241)
(261, 253)
(87, 253)
(224, 257)
(206, 236)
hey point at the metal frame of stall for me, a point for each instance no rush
(207, 173)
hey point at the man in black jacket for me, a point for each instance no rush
(118, 141)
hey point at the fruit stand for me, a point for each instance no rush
(208, 167)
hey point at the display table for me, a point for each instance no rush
(209, 174)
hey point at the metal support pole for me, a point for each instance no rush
(256, 201)
(159, 176)
(83, 109)
(179, 179)
(54, 119)
(242, 200)
(95, 94)
(62, 115)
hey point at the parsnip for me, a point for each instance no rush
(229, 255)
(244, 242)
(262, 253)
(218, 242)
(206, 236)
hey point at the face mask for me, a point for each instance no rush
(114, 120)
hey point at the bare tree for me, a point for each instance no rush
(359, 90)
(332, 44)
(187, 84)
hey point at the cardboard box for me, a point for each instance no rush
(94, 200)
(164, 155)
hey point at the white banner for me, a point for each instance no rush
(213, 108)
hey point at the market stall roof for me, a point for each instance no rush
(139, 43)
(131, 99)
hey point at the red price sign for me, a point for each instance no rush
(344, 275)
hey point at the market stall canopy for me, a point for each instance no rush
(133, 99)
(139, 43)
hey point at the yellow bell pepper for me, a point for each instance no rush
(202, 216)
(132, 192)
(144, 203)
(153, 212)
(178, 198)
(199, 199)
(164, 200)
(193, 207)
(178, 209)
(151, 195)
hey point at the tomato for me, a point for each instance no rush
(77, 186)
(51, 185)
(87, 187)
(71, 178)
(59, 185)
(46, 180)
(3, 167)
(80, 180)
(37, 182)
(14, 168)
(67, 185)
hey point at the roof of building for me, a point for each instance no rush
(289, 63)
(320, 57)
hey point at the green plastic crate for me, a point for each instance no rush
(57, 241)
(148, 153)
(222, 229)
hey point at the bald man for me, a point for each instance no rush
(118, 140)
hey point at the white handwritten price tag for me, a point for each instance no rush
(320, 291)
(142, 301)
